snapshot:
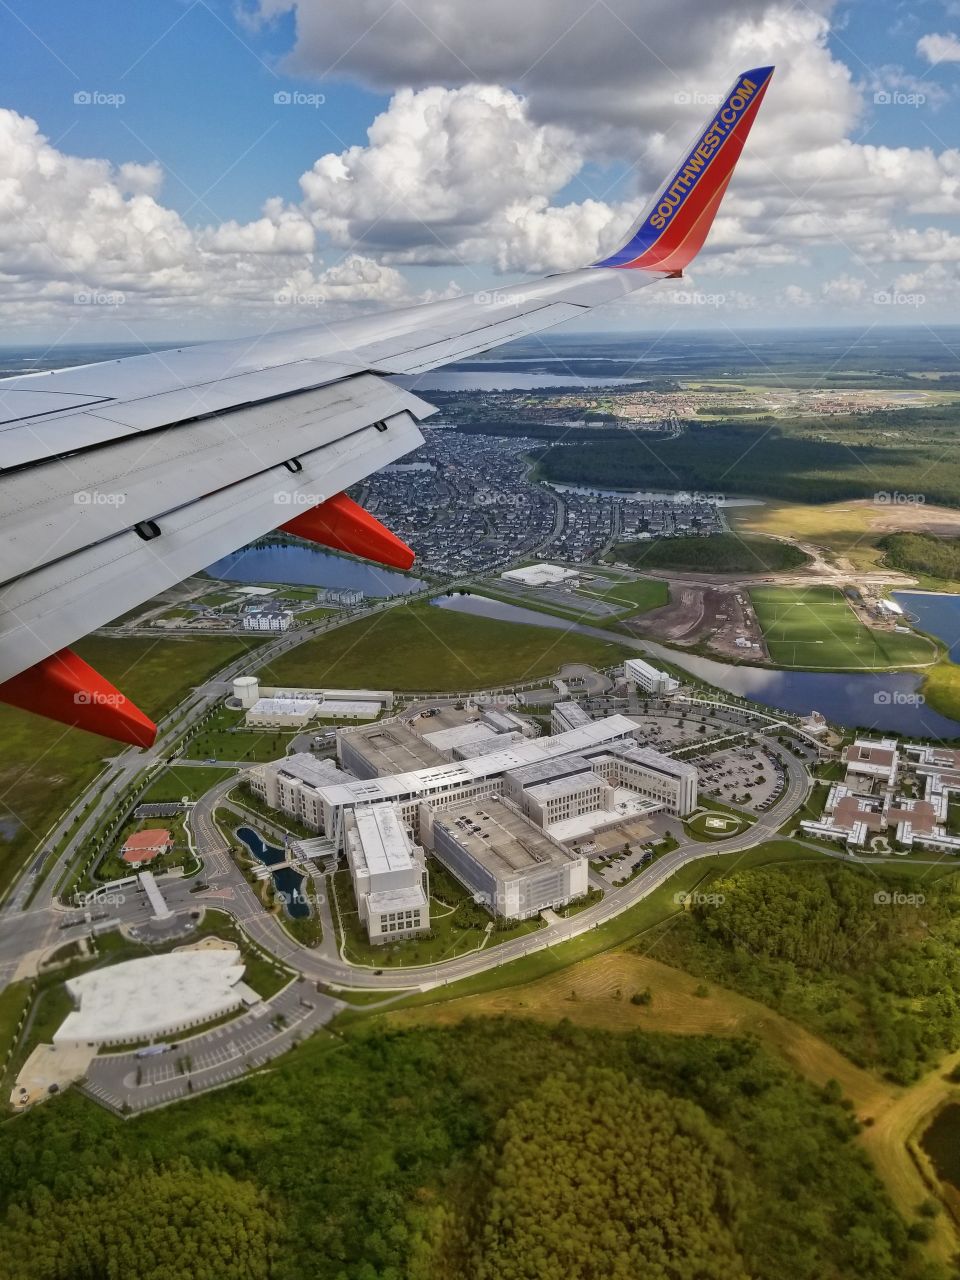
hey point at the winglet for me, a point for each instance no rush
(671, 232)
(342, 524)
(63, 687)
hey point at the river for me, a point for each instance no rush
(876, 701)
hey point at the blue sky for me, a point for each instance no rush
(846, 194)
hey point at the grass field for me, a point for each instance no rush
(814, 627)
(941, 688)
(44, 765)
(720, 553)
(715, 826)
(420, 647)
(637, 595)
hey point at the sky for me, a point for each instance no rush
(197, 168)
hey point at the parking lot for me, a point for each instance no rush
(748, 777)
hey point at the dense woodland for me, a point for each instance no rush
(721, 553)
(804, 459)
(493, 1148)
(923, 553)
(878, 977)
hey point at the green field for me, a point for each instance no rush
(636, 596)
(720, 553)
(420, 647)
(814, 627)
(44, 765)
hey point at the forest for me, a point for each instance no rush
(494, 1148)
(871, 968)
(721, 553)
(805, 459)
(922, 553)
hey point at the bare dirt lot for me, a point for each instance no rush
(712, 616)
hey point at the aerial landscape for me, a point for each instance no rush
(480, 641)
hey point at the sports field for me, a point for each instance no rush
(815, 628)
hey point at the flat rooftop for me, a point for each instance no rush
(478, 768)
(499, 839)
(145, 998)
(307, 768)
(393, 748)
(383, 839)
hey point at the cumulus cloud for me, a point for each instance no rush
(939, 48)
(76, 229)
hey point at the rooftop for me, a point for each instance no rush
(499, 838)
(142, 999)
(383, 841)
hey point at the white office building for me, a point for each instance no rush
(293, 785)
(267, 620)
(649, 679)
(510, 865)
(452, 782)
(567, 715)
(388, 872)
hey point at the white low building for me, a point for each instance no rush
(649, 679)
(542, 575)
(388, 872)
(153, 997)
(567, 715)
(282, 713)
(267, 620)
(871, 759)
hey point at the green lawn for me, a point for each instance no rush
(815, 627)
(44, 765)
(420, 647)
(224, 737)
(177, 781)
(637, 596)
(715, 826)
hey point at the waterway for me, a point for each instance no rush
(881, 701)
(287, 882)
(312, 567)
(937, 613)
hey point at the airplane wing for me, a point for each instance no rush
(120, 479)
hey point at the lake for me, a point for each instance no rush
(312, 567)
(287, 882)
(937, 613)
(875, 701)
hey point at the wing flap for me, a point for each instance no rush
(48, 609)
(53, 509)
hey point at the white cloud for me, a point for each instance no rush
(939, 48)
